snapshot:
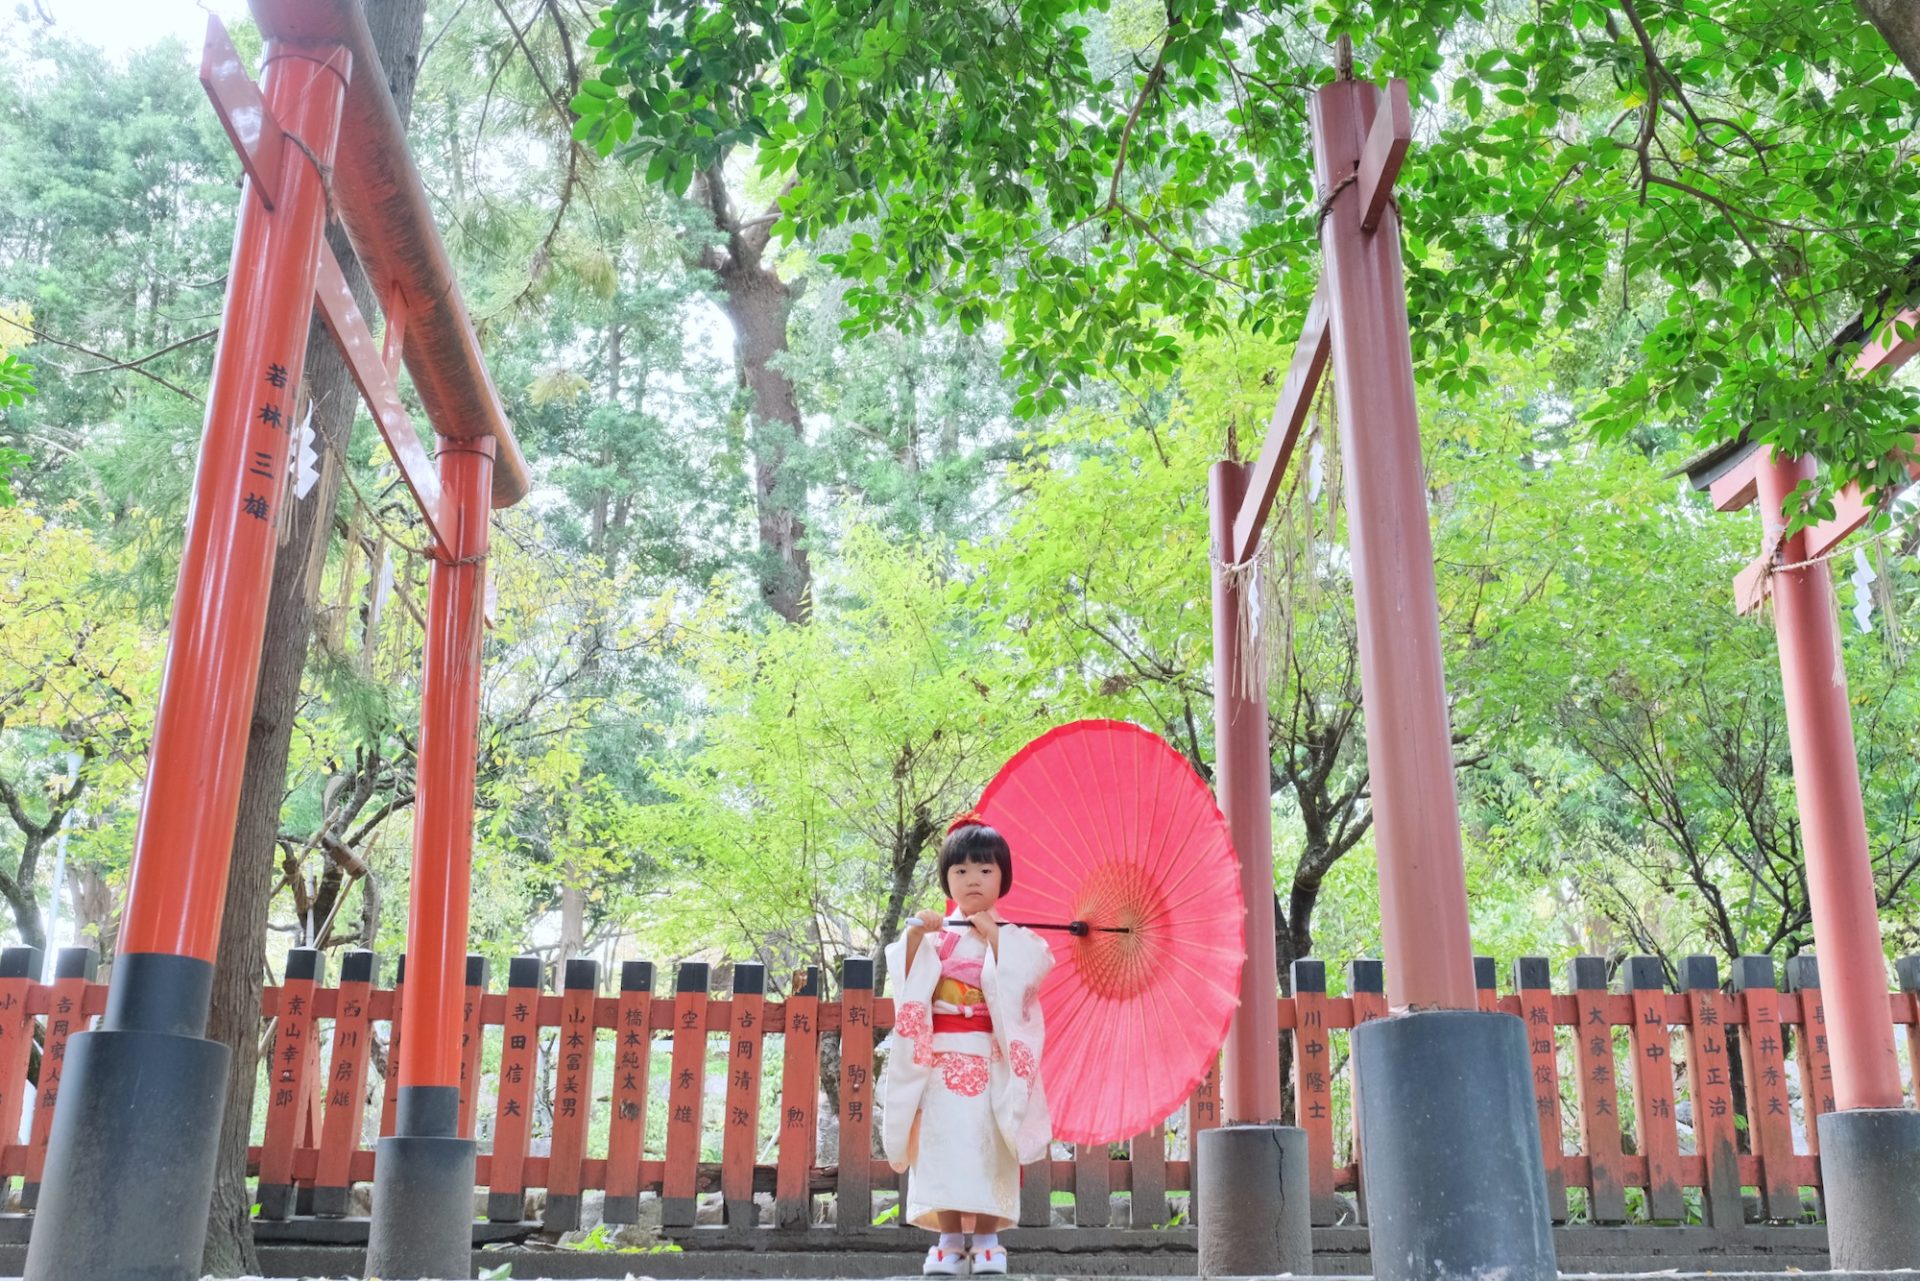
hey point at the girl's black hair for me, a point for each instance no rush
(976, 843)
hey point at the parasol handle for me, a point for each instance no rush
(1079, 929)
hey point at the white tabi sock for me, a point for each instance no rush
(986, 1240)
(953, 1241)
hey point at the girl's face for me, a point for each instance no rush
(975, 886)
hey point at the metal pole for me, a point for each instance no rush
(423, 1195)
(1826, 784)
(1250, 1074)
(130, 1159)
(1416, 823)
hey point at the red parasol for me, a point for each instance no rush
(1110, 826)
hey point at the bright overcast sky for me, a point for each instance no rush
(119, 26)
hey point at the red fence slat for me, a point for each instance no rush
(854, 1205)
(627, 1131)
(1763, 1063)
(1710, 1082)
(1312, 1084)
(345, 1085)
(686, 1093)
(1651, 1044)
(513, 1102)
(740, 1133)
(390, 1089)
(20, 968)
(1599, 1091)
(289, 1068)
(799, 1090)
(471, 1013)
(572, 1094)
(1532, 979)
(73, 972)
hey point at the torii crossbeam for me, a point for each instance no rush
(1428, 1216)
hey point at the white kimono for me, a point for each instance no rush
(963, 1110)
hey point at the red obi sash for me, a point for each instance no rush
(981, 1022)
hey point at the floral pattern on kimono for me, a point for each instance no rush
(1011, 984)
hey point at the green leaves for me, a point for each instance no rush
(16, 380)
(1095, 185)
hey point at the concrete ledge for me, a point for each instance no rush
(1745, 1253)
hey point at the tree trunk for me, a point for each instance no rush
(23, 896)
(1898, 22)
(93, 902)
(904, 862)
(573, 927)
(235, 1018)
(758, 302)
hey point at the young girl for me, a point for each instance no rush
(962, 1098)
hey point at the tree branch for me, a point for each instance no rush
(1148, 88)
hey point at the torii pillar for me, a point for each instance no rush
(130, 1158)
(1869, 1139)
(1454, 1174)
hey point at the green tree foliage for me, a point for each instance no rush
(827, 760)
(115, 226)
(1106, 176)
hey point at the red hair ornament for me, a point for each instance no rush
(968, 818)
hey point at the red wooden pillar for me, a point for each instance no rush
(1459, 1191)
(432, 1017)
(1416, 817)
(1826, 779)
(1869, 1146)
(1250, 1071)
(133, 1146)
(423, 1187)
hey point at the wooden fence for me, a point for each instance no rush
(1650, 1075)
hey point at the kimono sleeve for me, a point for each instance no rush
(1011, 983)
(909, 1047)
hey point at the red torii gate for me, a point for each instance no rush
(1453, 1190)
(130, 1164)
(1870, 1144)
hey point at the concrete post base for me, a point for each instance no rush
(1253, 1181)
(422, 1209)
(130, 1159)
(1870, 1168)
(1456, 1188)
